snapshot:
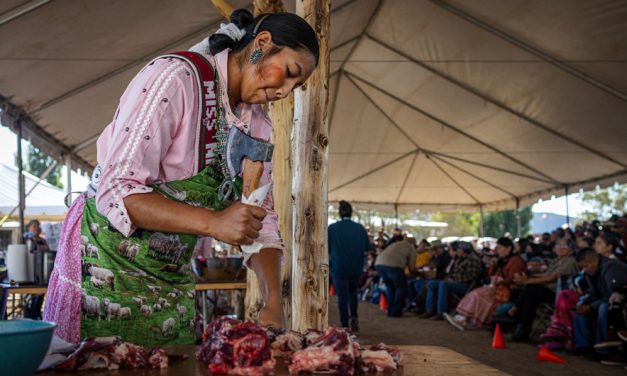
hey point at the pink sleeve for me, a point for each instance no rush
(269, 235)
(131, 149)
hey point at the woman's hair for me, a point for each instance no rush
(287, 29)
(610, 238)
(33, 222)
(505, 242)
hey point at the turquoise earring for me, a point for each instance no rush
(255, 56)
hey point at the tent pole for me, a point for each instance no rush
(518, 218)
(396, 215)
(481, 230)
(20, 177)
(567, 209)
(68, 167)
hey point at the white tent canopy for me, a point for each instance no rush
(438, 105)
(46, 202)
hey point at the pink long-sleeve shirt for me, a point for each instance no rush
(152, 139)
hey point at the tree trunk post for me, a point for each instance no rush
(310, 258)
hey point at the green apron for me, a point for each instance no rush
(143, 283)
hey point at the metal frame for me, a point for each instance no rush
(454, 181)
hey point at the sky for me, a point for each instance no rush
(8, 148)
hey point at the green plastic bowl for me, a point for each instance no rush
(23, 345)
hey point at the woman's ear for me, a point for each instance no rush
(263, 41)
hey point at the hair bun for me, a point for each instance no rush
(242, 18)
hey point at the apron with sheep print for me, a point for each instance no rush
(141, 287)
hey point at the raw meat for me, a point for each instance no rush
(285, 344)
(334, 352)
(111, 353)
(237, 348)
(376, 361)
(311, 335)
(394, 352)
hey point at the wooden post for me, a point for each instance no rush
(224, 7)
(310, 258)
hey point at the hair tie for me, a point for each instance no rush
(259, 24)
(232, 31)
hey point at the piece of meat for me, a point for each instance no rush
(158, 358)
(230, 346)
(334, 352)
(394, 352)
(377, 361)
(110, 353)
(286, 344)
(311, 335)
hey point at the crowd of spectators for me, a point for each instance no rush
(562, 290)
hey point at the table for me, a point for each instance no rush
(419, 360)
(201, 287)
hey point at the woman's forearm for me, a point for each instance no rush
(238, 224)
(152, 211)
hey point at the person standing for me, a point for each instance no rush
(348, 244)
(391, 265)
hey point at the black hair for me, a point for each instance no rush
(506, 242)
(287, 29)
(587, 254)
(570, 243)
(346, 210)
(610, 238)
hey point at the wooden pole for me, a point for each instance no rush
(224, 8)
(310, 258)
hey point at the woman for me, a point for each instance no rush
(161, 184)
(542, 289)
(606, 244)
(478, 306)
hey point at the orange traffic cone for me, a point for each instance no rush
(332, 291)
(383, 303)
(497, 340)
(546, 355)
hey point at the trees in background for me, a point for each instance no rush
(496, 224)
(37, 163)
(605, 202)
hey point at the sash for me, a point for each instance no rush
(206, 142)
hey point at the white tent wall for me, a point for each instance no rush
(436, 105)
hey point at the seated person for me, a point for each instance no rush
(607, 244)
(466, 268)
(542, 289)
(560, 334)
(478, 306)
(423, 269)
(605, 277)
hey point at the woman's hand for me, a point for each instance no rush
(238, 224)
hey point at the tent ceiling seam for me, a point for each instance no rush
(121, 69)
(370, 172)
(453, 180)
(497, 103)
(409, 171)
(530, 49)
(54, 147)
(409, 138)
(488, 166)
(475, 176)
(450, 126)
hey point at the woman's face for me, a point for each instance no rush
(502, 251)
(275, 75)
(602, 248)
(562, 249)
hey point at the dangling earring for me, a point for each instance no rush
(255, 56)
